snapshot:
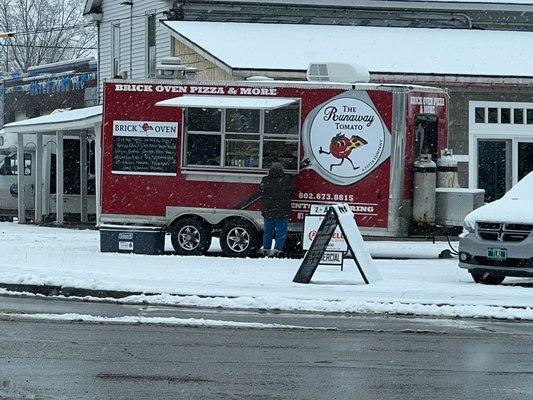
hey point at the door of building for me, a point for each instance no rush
(494, 167)
(525, 158)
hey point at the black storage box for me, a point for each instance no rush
(132, 239)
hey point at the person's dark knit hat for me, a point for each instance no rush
(276, 170)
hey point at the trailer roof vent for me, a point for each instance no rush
(337, 72)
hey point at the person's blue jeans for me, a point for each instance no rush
(275, 228)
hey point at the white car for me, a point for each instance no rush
(497, 240)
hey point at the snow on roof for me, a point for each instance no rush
(256, 46)
(81, 118)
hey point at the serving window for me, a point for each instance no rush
(242, 138)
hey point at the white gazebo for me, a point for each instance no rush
(74, 122)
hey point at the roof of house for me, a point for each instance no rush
(285, 47)
(94, 6)
(81, 118)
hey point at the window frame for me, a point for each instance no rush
(262, 137)
(149, 73)
(116, 43)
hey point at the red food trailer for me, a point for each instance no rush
(186, 158)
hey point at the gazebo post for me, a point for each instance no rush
(39, 178)
(21, 203)
(59, 178)
(98, 166)
(83, 176)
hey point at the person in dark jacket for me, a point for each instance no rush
(276, 192)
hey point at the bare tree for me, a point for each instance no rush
(46, 31)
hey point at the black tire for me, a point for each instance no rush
(190, 237)
(487, 278)
(239, 238)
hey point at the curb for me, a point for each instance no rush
(49, 290)
(68, 291)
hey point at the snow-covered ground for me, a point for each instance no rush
(424, 286)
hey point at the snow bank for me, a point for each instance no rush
(51, 256)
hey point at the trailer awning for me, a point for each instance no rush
(268, 103)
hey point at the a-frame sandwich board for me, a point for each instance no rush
(338, 215)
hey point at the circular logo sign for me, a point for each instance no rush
(14, 190)
(347, 139)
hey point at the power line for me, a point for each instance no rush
(56, 29)
(43, 46)
(133, 17)
(51, 29)
(72, 27)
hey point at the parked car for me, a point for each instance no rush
(497, 240)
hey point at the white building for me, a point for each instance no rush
(130, 36)
(485, 70)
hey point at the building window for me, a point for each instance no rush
(493, 115)
(150, 46)
(505, 115)
(529, 116)
(115, 50)
(242, 138)
(480, 115)
(518, 116)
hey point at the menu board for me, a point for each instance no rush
(145, 147)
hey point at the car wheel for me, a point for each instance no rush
(190, 237)
(239, 238)
(487, 278)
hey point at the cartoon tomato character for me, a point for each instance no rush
(341, 147)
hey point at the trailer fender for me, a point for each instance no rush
(213, 217)
(178, 218)
(257, 226)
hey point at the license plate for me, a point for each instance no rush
(497, 254)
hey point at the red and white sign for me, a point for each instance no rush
(311, 225)
(145, 129)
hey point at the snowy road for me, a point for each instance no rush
(422, 286)
(356, 357)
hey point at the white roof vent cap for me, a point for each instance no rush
(337, 72)
(170, 60)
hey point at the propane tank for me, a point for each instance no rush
(424, 193)
(447, 175)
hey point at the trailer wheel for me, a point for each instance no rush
(239, 238)
(189, 237)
